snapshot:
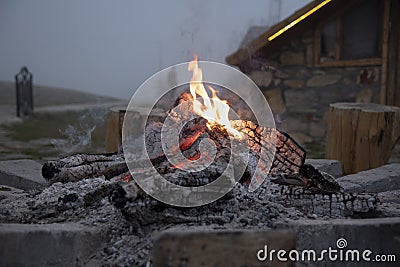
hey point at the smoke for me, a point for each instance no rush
(78, 137)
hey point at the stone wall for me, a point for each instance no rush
(300, 93)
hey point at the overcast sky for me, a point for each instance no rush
(111, 47)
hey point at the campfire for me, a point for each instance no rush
(271, 153)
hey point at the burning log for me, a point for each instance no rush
(211, 123)
(115, 170)
(76, 167)
(289, 156)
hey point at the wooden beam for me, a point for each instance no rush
(397, 90)
(351, 63)
(317, 45)
(394, 34)
(338, 38)
(309, 56)
(385, 40)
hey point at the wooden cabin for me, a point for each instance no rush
(328, 51)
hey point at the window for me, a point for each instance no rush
(328, 37)
(353, 38)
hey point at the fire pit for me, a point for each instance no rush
(104, 190)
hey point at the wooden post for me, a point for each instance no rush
(114, 128)
(393, 58)
(362, 135)
(136, 119)
(385, 40)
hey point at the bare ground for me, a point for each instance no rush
(64, 121)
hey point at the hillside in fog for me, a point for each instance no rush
(110, 48)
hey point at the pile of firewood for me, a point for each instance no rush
(285, 167)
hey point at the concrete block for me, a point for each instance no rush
(8, 191)
(218, 248)
(333, 167)
(380, 235)
(390, 196)
(47, 244)
(381, 179)
(388, 210)
(390, 204)
(23, 174)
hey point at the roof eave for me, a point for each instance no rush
(262, 41)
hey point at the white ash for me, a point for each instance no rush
(128, 238)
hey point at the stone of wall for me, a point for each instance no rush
(299, 94)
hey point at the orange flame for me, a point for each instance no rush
(214, 110)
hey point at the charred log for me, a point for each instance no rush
(267, 202)
(115, 170)
(289, 156)
(330, 204)
(79, 166)
(310, 178)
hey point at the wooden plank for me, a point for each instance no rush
(397, 87)
(392, 52)
(385, 38)
(351, 63)
(397, 90)
(317, 45)
(338, 39)
(113, 139)
(309, 56)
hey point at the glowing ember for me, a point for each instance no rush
(182, 164)
(213, 109)
(188, 142)
(126, 177)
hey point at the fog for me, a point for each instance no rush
(111, 47)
